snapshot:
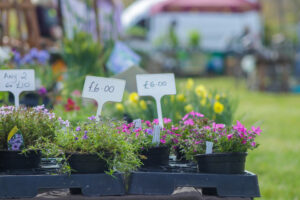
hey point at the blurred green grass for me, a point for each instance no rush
(277, 159)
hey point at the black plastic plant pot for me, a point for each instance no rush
(221, 163)
(156, 157)
(81, 163)
(15, 160)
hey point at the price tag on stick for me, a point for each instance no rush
(103, 90)
(17, 81)
(157, 86)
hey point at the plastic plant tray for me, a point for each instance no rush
(166, 179)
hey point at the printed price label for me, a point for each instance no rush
(103, 90)
(17, 81)
(157, 86)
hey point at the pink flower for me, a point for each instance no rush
(156, 121)
(198, 142)
(174, 128)
(240, 127)
(206, 127)
(185, 117)
(148, 123)
(257, 130)
(189, 122)
(167, 120)
(199, 114)
(229, 136)
(253, 144)
(217, 126)
(162, 141)
(175, 140)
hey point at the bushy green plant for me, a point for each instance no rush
(34, 123)
(225, 139)
(83, 56)
(101, 138)
(142, 137)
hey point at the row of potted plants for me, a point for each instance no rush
(104, 145)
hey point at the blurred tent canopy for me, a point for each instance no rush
(206, 6)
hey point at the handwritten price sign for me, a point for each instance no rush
(17, 81)
(157, 86)
(103, 90)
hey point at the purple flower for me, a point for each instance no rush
(85, 137)
(43, 56)
(15, 147)
(78, 128)
(92, 118)
(76, 138)
(42, 91)
(162, 141)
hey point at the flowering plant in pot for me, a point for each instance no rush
(21, 131)
(97, 147)
(230, 146)
(152, 153)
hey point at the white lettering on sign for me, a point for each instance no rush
(17, 81)
(157, 86)
(103, 90)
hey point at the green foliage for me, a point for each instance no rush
(34, 123)
(194, 39)
(83, 56)
(101, 138)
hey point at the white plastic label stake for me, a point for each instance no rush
(103, 90)
(17, 81)
(137, 123)
(209, 147)
(157, 86)
(156, 135)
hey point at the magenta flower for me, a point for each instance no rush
(253, 144)
(156, 121)
(189, 122)
(257, 130)
(206, 127)
(167, 120)
(162, 141)
(218, 126)
(229, 136)
(185, 117)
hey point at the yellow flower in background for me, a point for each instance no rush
(172, 98)
(217, 97)
(119, 107)
(200, 91)
(143, 105)
(189, 84)
(188, 108)
(134, 97)
(203, 102)
(218, 107)
(180, 97)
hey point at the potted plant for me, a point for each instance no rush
(152, 154)
(21, 129)
(97, 147)
(230, 146)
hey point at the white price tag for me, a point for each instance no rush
(103, 90)
(209, 147)
(17, 81)
(157, 86)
